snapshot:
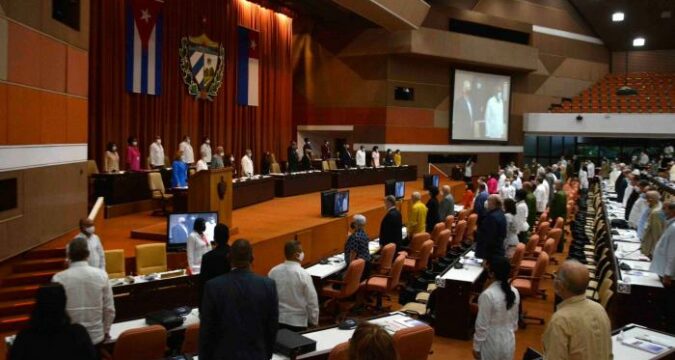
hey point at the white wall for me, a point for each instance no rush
(30, 156)
(601, 125)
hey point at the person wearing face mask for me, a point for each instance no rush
(298, 301)
(197, 245)
(205, 149)
(186, 148)
(133, 154)
(494, 115)
(217, 159)
(202, 164)
(96, 254)
(247, 164)
(157, 154)
(111, 162)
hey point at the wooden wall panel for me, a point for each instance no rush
(405, 117)
(76, 125)
(77, 72)
(23, 116)
(23, 64)
(53, 128)
(4, 121)
(655, 60)
(52, 68)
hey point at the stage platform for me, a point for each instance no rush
(267, 225)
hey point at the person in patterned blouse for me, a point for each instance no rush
(356, 246)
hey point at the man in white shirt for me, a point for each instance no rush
(298, 301)
(157, 153)
(96, 254)
(360, 157)
(522, 212)
(186, 148)
(590, 168)
(90, 298)
(518, 182)
(644, 159)
(247, 164)
(507, 191)
(541, 195)
(494, 115)
(640, 204)
(468, 170)
(502, 179)
(205, 150)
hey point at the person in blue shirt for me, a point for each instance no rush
(179, 171)
(479, 201)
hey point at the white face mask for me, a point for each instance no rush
(135, 143)
(114, 148)
(208, 141)
(159, 141)
(301, 256)
(90, 229)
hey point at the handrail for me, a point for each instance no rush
(437, 169)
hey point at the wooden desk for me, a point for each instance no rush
(371, 176)
(120, 188)
(625, 352)
(301, 183)
(252, 191)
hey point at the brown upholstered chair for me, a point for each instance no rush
(191, 340)
(441, 248)
(530, 285)
(381, 284)
(559, 222)
(416, 264)
(463, 214)
(156, 186)
(543, 229)
(450, 222)
(386, 258)
(146, 343)
(340, 352)
(348, 285)
(460, 230)
(471, 225)
(114, 263)
(416, 243)
(437, 231)
(150, 258)
(516, 260)
(414, 343)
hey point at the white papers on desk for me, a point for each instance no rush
(629, 251)
(337, 263)
(636, 265)
(625, 352)
(627, 235)
(641, 278)
(459, 208)
(471, 270)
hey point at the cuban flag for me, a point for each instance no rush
(144, 46)
(247, 67)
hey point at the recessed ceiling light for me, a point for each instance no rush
(617, 16)
(639, 41)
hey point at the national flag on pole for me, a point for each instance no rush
(144, 46)
(247, 67)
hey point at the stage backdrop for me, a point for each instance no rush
(115, 114)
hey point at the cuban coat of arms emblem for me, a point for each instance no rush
(202, 64)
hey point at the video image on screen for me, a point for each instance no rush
(181, 225)
(341, 203)
(400, 189)
(480, 109)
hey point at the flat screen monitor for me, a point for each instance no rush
(179, 227)
(327, 203)
(431, 180)
(394, 188)
(341, 203)
(400, 190)
(480, 106)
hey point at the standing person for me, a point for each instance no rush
(636, 191)
(247, 164)
(205, 149)
(507, 191)
(467, 199)
(558, 209)
(492, 184)
(307, 148)
(325, 151)
(418, 215)
(179, 171)
(90, 298)
(391, 227)
(653, 223)
(663, 263)
(239, 316)
(111, 162)
(580, 328)
(466, 112)
(157, 154)
(590, 168)
(186, 148)
(266, 163)
(307, 159)
(468, 170)
(217, 161)
(375, 156)
(522, 212)
(202, 164)
(371, 342)
(494, 115)
(197, 245)
(298, 301)
(217, 261)
(356, 246)
(133, 154)
(50, 334)
(96, 254)
(293, 160)
(497, 319)
(346, 157)
(531, 202)
(361, 157)
(479, 201)
(447, 206)
(433, 217)
(398, 160)
(541, 196)
(491, 230)
(512, 227)
(640, 204)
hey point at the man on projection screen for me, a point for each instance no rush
(494, 115)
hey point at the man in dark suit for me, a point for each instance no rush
(325, 151)
(346, 156)
(215, 262)
(391, 227)
(621, 184)
(240, 312)
(293, 159)
(180, 232)
(464, 114)
(491, 231)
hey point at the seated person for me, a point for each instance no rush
(356, 246)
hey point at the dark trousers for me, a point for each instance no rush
(524, 236)
(292, 328)
(670, 309)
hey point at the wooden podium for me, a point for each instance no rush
(211, 190)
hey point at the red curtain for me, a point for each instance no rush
(115, 114)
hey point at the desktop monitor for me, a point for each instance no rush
(341, 203)
(431, 180)
(327, 203)
(179, 226)
(394, 188)
(400, 190)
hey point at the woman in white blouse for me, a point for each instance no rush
(583, 178)
(375, 155)
(512, 227)
(497, 319)
(197, 245)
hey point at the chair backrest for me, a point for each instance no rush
(449, 222)
(332, 165)
(423, 259)
(152, 338)
(516, 259)
(386, 258)
(150, 258)
(549, 246)
(325, 166)
(92, 167)
(559, 223)
(437, 231)
(532, 244)
(605, 297)
(340, 352)
(414, 343)
(460, 230)
(352, 278)
(464, 214)
(539, 270)
(543, 217)
(442, 245)
(275, 168)
(556, 235)
(191, 340)
(114, 264)
(396, 270)
(155, 182)
(471, 226)
(417, 241)
(543, 230)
